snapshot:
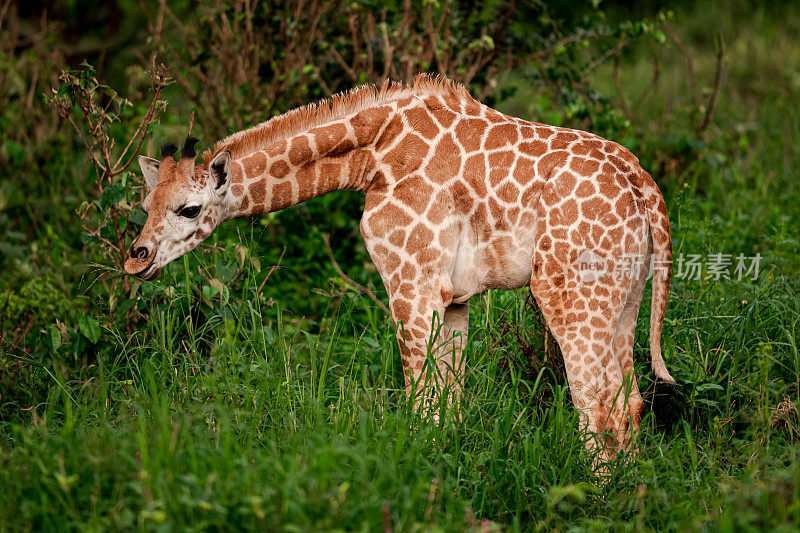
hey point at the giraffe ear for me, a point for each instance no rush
(149, 168)
(219, 172)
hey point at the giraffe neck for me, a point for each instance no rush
(338, 155)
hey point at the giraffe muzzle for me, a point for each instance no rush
(148, 274)
(141, 262)
(140, 253)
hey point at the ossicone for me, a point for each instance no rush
(188, 152)
(168, 150)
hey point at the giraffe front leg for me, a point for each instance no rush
(451, 364)
(431, 338)
(414, 266)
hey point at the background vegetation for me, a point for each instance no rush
(252, 386)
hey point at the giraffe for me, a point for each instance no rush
(459, 198)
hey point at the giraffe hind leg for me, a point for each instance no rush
(624, 338)
(583, 309)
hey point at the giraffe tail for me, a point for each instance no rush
(662, 273)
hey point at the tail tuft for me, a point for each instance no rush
(668, 403)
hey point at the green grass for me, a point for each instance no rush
(235, 422)
(256, 410)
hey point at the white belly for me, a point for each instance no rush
(504, 262)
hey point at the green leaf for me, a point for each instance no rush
(112, 195)
(125, 304)
(241, 255)
(224, 272)
(708, 386)
(107, 232)
(210, 291)
(90, 328)
(53, 338)
(138, 217)
(223, 290)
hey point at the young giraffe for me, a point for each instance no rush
(459, 199)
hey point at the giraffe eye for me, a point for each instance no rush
(189, 212)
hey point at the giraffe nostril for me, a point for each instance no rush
(140, 252)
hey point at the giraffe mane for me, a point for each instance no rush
(337, 106)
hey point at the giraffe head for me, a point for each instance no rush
(184, 205)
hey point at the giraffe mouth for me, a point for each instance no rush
(148, 274)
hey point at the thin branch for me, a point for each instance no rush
(653, 83)
(712, 99)
(689, 61)
(4, 11)
(612, 52)
(272, 269)
(350, 72)
(159, 75)
(86, 144)
(620, 94)
(357, 286)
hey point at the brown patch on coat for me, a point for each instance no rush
(414, 192)
(282, 196)
(401, 310)
(498, 213)
(328, 137)
(420, 238)
(462, 199)
(534, 148)
(549, 163)
(501, 135)
(508, 192)
(446, 161)
(237, 173)
(387, 218)
(367, 123)
(421, 122)
(469, 132)
(398, 237)
(475, 174)
(562, 140)
(570, 212)
(407, 156)
(500, 166)
(255, 165)
(277, 149)
(279, 169)
(583, 166)
(300, 151)
(585, 190)
(307, 182)
(626, 206)
(525, 170)
(390, 132)
(258, 191)
(444, 116)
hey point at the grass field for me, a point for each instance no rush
(254, 415)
